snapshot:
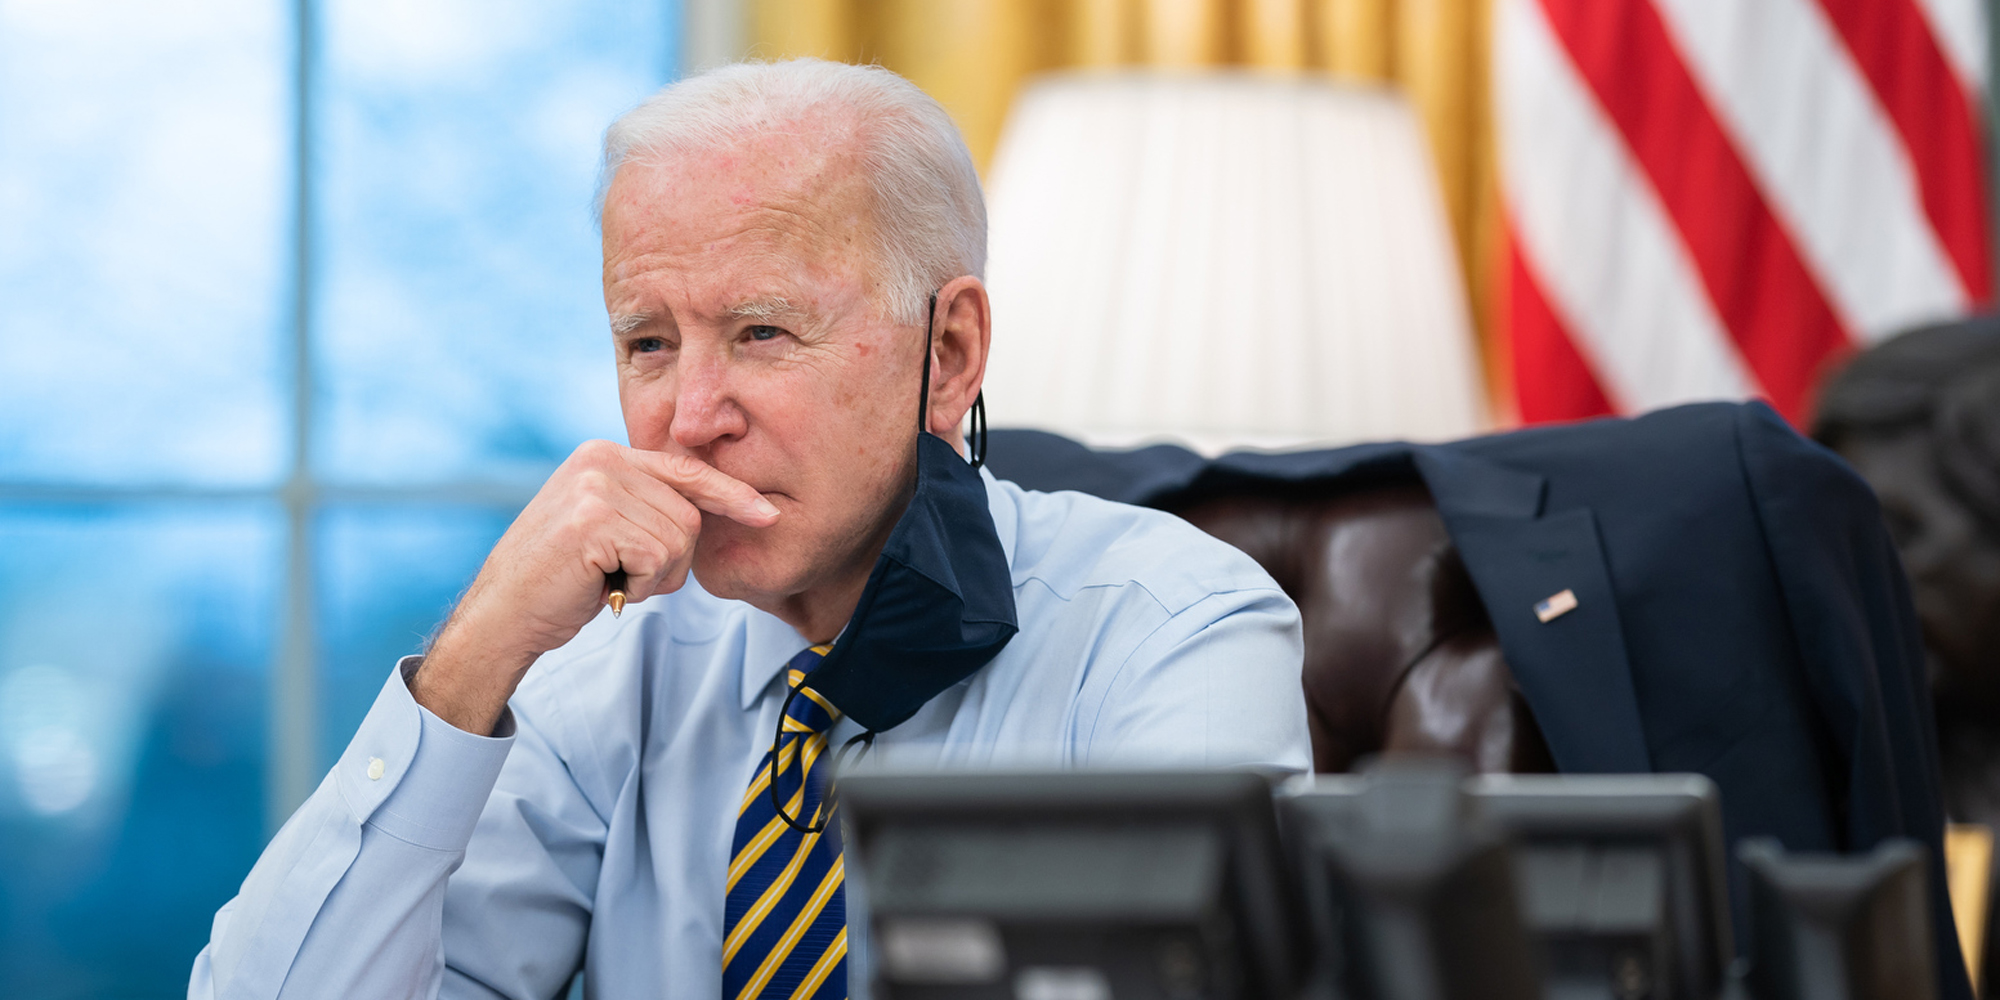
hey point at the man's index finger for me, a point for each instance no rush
(707, 487)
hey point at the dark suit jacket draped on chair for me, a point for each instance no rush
(1740, 609)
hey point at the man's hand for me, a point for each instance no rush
(608, 507)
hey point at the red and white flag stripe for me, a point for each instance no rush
(1719, 198)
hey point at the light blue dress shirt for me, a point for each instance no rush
(593, 831)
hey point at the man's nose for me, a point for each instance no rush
(706, 409)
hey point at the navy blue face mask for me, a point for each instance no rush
(939, 603)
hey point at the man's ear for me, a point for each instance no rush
(959, 343)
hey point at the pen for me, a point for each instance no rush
(616, 581)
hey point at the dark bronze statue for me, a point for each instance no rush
(1919, 418)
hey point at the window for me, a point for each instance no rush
(298, 305)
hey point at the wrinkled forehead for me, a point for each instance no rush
(803, 176)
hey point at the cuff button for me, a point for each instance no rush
(374, 769)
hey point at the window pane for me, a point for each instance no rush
(144, 167)
(460, 318)
(388, 576)
(132, 696)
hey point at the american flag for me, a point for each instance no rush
(1721, 198)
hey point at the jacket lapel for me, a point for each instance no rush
(1572, 667)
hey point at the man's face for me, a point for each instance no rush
(738, 283)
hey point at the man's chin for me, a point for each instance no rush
(743, 571)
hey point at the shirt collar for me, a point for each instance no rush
(769, 644)
(1006, 515)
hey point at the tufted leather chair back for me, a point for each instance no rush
(1399, 653)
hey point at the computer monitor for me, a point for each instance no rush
(1833, 927)
(1622, 878)
(1619, 879)
(1412, 893)
(1082, 885)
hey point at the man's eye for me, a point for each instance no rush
(647, 345)
(763, 332)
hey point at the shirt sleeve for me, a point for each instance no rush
(1215, 685)
(351, 897)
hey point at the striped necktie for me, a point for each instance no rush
(784, 922)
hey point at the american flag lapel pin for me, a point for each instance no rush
(1555, 606)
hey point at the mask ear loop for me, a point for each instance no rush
(976, 445)
(823, 814)
(924, 395)
(820, 814)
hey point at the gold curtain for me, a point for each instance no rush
(974, 54)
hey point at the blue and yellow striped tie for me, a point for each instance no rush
(784, 924)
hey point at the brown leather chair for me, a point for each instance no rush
(1399, 653)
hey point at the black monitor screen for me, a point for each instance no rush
(1073, 885)
(1621, 877)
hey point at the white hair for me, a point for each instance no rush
(930, 218)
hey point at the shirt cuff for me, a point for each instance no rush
(415, 776)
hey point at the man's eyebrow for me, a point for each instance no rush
(770, 307)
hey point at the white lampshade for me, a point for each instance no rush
(1225, 260)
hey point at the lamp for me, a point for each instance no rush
(1226, 260)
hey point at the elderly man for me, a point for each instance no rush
(791, 267)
